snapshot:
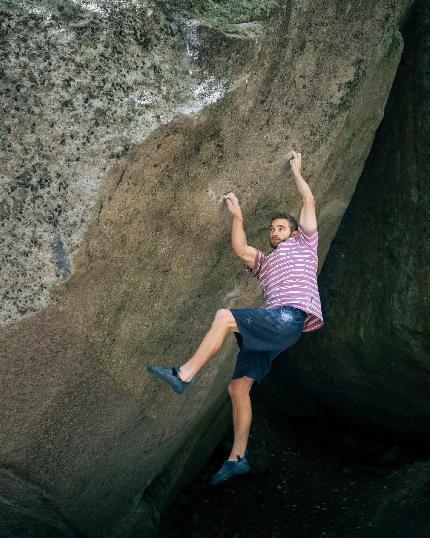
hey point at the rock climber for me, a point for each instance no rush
(288, 280)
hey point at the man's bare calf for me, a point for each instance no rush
(242, 414)
(212, 342)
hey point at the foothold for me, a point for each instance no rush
(234, 294)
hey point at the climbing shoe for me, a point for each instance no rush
(171, 377)
(231, 468)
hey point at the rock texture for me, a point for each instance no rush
(82, 83)
(400, 509)
(81, 420)
(371, 362)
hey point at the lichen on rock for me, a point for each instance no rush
(82, 83)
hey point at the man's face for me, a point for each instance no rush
(279, 231)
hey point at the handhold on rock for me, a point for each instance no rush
(289, 156)
(286, 167)
(216, 197)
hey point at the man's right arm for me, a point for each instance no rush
(240, 247)
(238, 237)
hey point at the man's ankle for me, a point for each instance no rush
(234, 455)
(183, 376)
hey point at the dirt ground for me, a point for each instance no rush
(309, 479)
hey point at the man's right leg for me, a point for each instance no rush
(179, 378)
(212, 342)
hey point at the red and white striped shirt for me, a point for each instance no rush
(288, 277)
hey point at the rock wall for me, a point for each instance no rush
(82, 83)
(82, 424)
(371, 361)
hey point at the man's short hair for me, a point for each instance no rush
(291, 221)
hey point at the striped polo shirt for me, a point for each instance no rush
(288, 277)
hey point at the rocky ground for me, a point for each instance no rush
(312, 479)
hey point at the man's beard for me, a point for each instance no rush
(277, 242)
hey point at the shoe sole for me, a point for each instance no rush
(164, 377)
(248, 471)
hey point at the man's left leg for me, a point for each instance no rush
(237, 462)
(242, 414)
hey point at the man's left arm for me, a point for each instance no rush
(308, 217)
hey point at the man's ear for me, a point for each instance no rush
(294, 233)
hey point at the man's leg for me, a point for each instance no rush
(222, 324)
(242, 414)
(237, 464)
(180, 378)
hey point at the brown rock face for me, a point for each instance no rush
(82, 421)
(371, 362)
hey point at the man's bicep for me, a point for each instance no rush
(308, 217)
(249, 255)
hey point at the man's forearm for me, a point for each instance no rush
(302, 187)
(238, 236)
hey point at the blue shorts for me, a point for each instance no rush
(264, 334)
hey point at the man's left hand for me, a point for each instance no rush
(296, 163)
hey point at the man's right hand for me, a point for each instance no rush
(233, 204)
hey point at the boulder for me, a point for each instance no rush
(116, 241)
(370, 363)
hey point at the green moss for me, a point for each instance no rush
(221, 12)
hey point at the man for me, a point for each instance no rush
(288, 279)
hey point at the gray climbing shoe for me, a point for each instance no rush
(231, 468)
(171, 377)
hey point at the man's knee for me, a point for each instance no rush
(225, 318)
(240, 387)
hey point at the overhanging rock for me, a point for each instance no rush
(151, 261)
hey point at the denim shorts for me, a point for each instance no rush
(264, 334)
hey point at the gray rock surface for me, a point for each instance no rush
(138, 259)
(82, 83)
(371, 361)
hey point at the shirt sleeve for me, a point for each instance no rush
(259, 259)
(310, 239)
